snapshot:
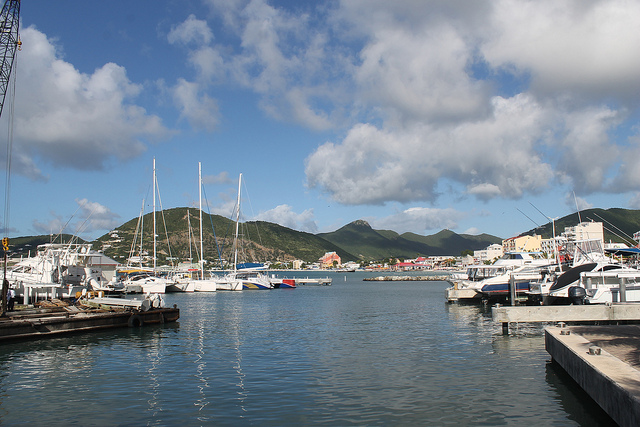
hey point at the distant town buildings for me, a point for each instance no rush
(330, 260)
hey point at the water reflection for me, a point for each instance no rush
(352, 353)
(577, 404)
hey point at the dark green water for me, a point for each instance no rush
(354, 353)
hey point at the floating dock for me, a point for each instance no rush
(604, 361)
(54, 321)
(326, 281)
(617, 312)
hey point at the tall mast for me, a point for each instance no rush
(235, 242)
(154, 214)
(201, 246)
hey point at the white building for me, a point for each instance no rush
(489, 254)
(585, 231)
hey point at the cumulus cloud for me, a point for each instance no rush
(493, 157)
(574, 202)
(420, 220)
(89, 217)
(192, 30)
(197, 107)
(503, 98)
(433, 80)
(285, 216)
(72, 119)
(96, 216)
(221, 178)
(569, 46)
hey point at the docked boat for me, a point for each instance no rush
(252, 279)
(493, 281)
(58, 270)
(611, 286)
(592, 278)
(245, 275)
(282, 283)
(139, 280)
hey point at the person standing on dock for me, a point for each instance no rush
(11, 299)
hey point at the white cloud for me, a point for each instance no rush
(588, 48)
(196, 106)
(88, 218)
(285, 216)
(419, 220)
(72, 119)
(96, 216)
(494, 157)
(574, 202)
(192, 30)
(505, 98)
(221, 178)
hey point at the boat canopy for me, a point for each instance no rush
(250, 266)
(624, 251)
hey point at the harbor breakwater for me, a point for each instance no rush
(439, 278)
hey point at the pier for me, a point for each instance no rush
(617, 312)
(404, 278)
(54, 321)
(326, 281)
(603, 360)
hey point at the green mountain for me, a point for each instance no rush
(267, 241)
(360, 239)
(263, 241)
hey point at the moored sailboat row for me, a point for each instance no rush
(66, 270)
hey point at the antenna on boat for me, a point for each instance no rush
(576, 202)
(537, 225)
(553, 226)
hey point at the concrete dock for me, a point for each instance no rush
(618, 312)
(454, 294)
(605, 362)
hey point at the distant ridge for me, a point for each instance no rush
(363, 241)
(353, 242)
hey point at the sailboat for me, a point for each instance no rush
(143, 279)
(251, 277)
(201, 284)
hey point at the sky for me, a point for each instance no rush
(490, 116)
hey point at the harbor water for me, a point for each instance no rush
(354, 353)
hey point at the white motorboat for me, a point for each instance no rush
(139, 280)
(483, 281)
(57, 270)
(612, 286)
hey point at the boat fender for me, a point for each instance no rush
(135, 321)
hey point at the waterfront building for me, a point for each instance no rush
(585, 231)
(522, 244)
(330, 259)
(489, 254)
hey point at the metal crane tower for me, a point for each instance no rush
(9, 42)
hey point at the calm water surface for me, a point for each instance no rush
(354, 353)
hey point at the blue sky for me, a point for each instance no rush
(413, 115)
